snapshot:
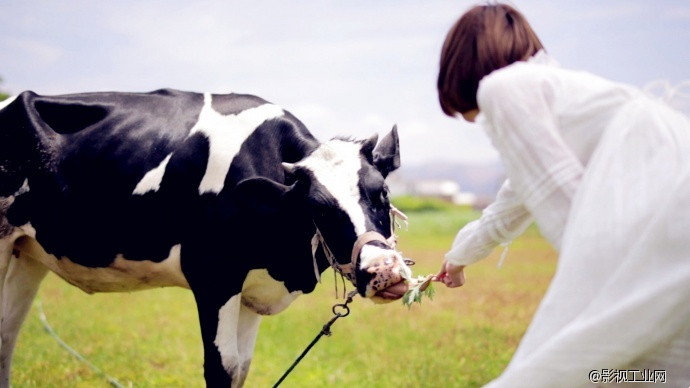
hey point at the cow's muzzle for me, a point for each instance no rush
(385, 264)
(387, 269)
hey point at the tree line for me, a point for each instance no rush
(3, 95)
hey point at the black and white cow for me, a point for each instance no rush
(226, 195)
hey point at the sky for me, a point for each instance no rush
(350, 68)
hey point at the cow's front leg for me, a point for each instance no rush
(214, 371)
(235, 338)
(229, 333)
(248, 328)
(6, 246)
(21, 283)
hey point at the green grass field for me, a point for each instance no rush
(462, 338)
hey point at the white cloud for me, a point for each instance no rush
(343, 68)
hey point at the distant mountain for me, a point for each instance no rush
(481, 179)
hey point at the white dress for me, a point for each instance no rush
(604, 170)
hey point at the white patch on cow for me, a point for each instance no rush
(248, 328)
(336, 166)
(122, 275)
(373, 253)
(152, 180)
(239, 318)
(226, 333)
(225, 134)
(7, 101)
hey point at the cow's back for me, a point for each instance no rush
(133, 175)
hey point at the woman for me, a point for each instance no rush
(604, 171)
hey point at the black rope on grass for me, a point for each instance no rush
(326, 330)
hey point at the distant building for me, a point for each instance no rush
(445, 189)
(466, 198)
(436, 188)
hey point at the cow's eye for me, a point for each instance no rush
(384, 196)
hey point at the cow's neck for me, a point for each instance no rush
(21, 148)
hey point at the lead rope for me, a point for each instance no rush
(340, 310)
(70, 350)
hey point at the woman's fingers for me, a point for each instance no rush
(451, 275)
(439, 276)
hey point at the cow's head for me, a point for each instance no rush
(341, 185)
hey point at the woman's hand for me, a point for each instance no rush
(451, 275)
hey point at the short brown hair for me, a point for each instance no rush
(484, 39)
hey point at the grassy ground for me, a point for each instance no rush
(462, 338)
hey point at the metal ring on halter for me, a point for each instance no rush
(343, 307)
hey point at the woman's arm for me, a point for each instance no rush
(518, 103)
(500, 222)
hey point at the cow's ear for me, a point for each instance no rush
(368, 147)
(262, 195)
(387, 153)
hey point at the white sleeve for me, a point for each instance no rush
(500, 222)
(518, 108)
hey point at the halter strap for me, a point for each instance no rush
(348, 270)
(366, 238)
